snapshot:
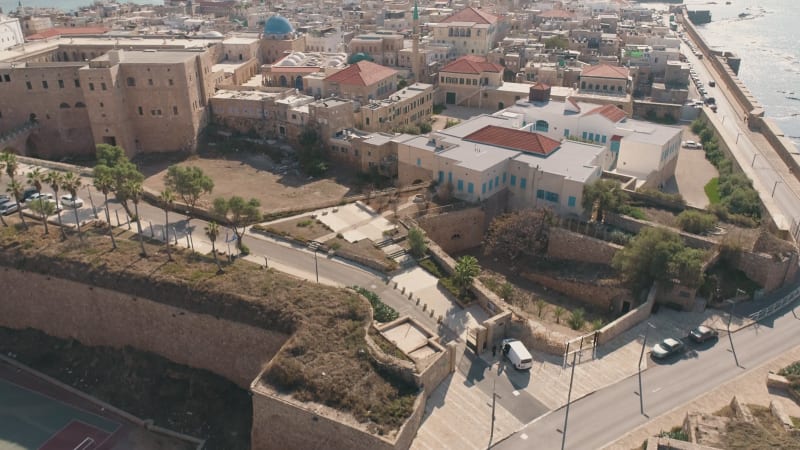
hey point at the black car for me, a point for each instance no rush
(702, 334)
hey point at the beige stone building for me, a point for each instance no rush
(383, 47)
(470, 31)
(408, 106)
(362, 81)
(464, 81)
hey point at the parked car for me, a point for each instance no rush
(419, 198)
(712, 83)
(692, 145)
(36, 195)
(517, 354)
(8, 208)
(68, 202)
(28, 193)
(703, 333)
(666, 348)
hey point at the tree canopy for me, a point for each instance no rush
(605, 195)
(525, 231)
(238, 213)
(656, 254)
(189, 183)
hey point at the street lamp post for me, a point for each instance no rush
(775, 186)
(494, 403)
(569, 398)
(641, 356)
(316, 266)
(730, 335)
(94, 210)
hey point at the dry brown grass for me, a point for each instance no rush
(765, 434)
(301, 228)
(324, 362)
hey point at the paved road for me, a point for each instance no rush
(770, 175)
(604, 416)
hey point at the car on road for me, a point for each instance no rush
(68, 202)
(8, 208)
(712, 83)
(702, 334)
(36, 195)
(666, 348)
(517, 354)
(693, 145)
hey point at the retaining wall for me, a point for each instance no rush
(565, 244)
(629, 320)
(455, 231)
(97, 316)
(592, 293)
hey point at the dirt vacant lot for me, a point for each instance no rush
(253, 175)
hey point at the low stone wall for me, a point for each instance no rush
(629, 320)
(455, 231)
(437, 370)
(538, 337)
(565, 244)
(97, 316)
(63, 167)
(603, 297)
(768, 271)
(632, 225)
(288, 424)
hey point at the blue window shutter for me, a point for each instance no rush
(449, 177)
(470, 188)
(571, 201)
(522, 183)
(540, 193)
(490, 184)
(504, 178)
(566, 132)
(460, 185)
(585, 135)
(497, 181)
(483, 188)
(419, 162)
(513, 180)
(441, 176)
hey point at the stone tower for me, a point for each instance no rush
(415, 63)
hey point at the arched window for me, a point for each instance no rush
(583, 85)
(282, 81)
(542, 125)
(131, 81)
(64, 106)
(80, 105)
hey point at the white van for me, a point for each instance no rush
(517, 354)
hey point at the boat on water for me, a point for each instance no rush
(743, 15)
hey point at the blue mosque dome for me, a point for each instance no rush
(278, 25)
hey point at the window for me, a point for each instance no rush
(131, 81)
(551, 197)
(441, 176)
(29, 85)
(540, 193)
(497, 181)
(6, 77)
(64, 105)
(470, 188)
(604, 139)
(149, 81)
(175, 110)
(141, 112)
(449, 177)
(460, 185)
(77, 83)
(571, 201)
(585, 134)
(522, 183)
(171, 82)
(542, 125)
(91, 86)
(44, 84)
(513, 180)
(103, 86)
(419, 162)
(367, 120)
(491, 184)
(504, 178)
(591, 136)
(80, 105)
(483, 188)
(61, 84)
(566, 132)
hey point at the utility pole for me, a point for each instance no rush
(641, 356)
(316, 267)
(494, 403)
(730, 335)
(569, 399)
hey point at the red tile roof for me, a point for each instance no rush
(606, 71)
(52, 32)
(471, 64)
(362, 73)
(610, 112)
(539, 86)
(471, 15)
(509, 138)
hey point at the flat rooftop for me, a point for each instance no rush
(140, 43)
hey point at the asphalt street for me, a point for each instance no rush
(602, 417)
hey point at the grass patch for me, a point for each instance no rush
(363, 249)
(302, 229)
(433, 268)
(712, 191)
(328, 325)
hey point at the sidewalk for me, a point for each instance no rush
(750, 387)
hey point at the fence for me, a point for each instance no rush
(773, 308)
(581, 344)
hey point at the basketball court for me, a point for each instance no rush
(35, 421)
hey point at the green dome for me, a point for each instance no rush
(278, 25)
(359, 57)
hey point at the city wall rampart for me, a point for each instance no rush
(98, 316)
(565, 244)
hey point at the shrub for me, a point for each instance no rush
(245, 250)
(451, 123)
(305, 223)
(558, 313)
(697, 126)
(619, 237)
(541, 307)
(577, 319)
(663, 196)
(416, 240)
(431, 267)
(634, 212)
(597, 324)
(706, 135)
(712, 191)
(696, 222)
(382, 312)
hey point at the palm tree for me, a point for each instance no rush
(45, 209)
(558, 313)
(212, 231)
(16, 190)
(104, 183)
(54, 180)
(71, 183)
(35, 178)
(133, 191)
(466, 270)
(167, 198)
(9, 162)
